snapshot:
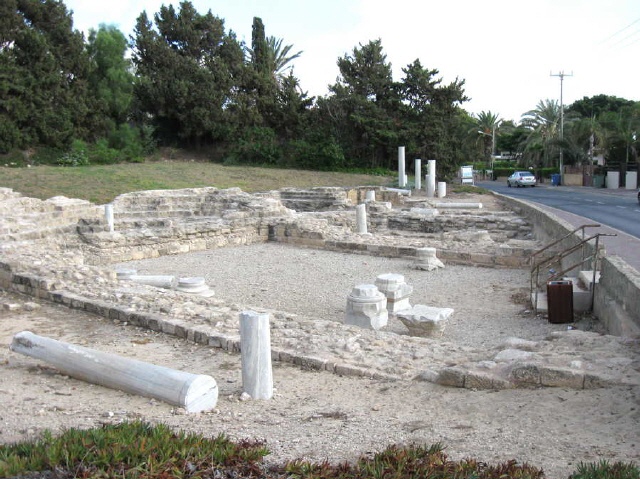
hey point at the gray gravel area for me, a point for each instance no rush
(490, 304)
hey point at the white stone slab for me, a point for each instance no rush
(424, 320)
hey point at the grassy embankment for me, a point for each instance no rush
(100, 184)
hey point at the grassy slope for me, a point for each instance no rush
(100, 184)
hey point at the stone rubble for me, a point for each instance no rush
(60, 250)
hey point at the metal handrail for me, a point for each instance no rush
(558, 257)
(565, 237)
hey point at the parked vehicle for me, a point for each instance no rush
(521, 178)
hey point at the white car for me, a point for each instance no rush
(521, 178)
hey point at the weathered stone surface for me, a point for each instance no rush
(395, 289)
(426, 321)
(366, 307)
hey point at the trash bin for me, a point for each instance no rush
(560, 301)
(598, 181)
(555, 179)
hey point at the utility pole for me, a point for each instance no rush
(561, 74)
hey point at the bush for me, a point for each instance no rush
(316, 153)
(47, 156)
(255, 146)
(78, 155)
(604, 470)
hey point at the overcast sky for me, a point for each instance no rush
(505, 50)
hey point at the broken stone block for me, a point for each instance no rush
(366, 307)
(426, 259)
(396, 291)
(425, 321)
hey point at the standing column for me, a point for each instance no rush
(431, 184)
(418, 167)
(255, 352)
(442, 189)
(402, 179)
(108, 214)
(361, 219)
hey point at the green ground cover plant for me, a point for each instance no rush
(140, 450)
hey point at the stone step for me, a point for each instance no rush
(586, 279)
(581, 297)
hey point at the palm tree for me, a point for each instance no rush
(543, 122)
(280, 58)
(486, 124)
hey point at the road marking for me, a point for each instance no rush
(600, 202)
(638, 211)
(621, 207)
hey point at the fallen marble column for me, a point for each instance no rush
(158, 281)
(426, 259)
(366, 307)
(125, 273)
(395, 290)
(193, 392)
(400, 191)
(425, 321)
(194, 285)
(255, 350)
(471, 206)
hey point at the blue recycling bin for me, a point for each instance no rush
(555, 179)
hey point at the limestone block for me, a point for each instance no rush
(426, 321)
(396, 291)
(426, 259)
(366, 307)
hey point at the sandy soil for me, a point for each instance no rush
(318, 415)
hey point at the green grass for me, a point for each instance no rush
(100, 184)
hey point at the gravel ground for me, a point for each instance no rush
(315, 284)
(318, 415)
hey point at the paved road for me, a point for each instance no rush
(618, 209)
(565, 199)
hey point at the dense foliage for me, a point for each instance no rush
(184, 80)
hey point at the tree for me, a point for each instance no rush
(110, 78)
(43, 76)
(362, 107)
(280, 58)
(596, 105)
(190, 73)
(433, 124)
(486, 125)
(621, 136)
(543, 124)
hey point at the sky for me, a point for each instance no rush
(509, 52)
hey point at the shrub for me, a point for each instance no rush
(78, 155)
(255, 146)
(604, 470)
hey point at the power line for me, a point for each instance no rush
(620, 31)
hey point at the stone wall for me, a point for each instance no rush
(617, 298)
